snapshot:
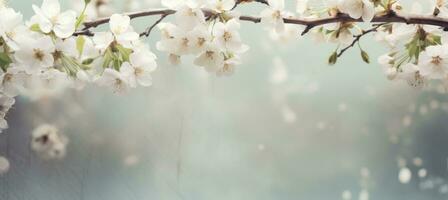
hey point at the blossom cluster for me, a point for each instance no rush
(45, 51)
(417, 54)
(56, 49)
(215, 43)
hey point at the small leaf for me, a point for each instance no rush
(365, 56)
(5, 60)
(333, 58)
(88, 61)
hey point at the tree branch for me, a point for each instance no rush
(391, 17)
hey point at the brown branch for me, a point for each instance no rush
(309, 23)
(95, 23)
(149, 30)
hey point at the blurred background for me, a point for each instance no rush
(285, 126)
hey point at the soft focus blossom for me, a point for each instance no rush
(50, 18)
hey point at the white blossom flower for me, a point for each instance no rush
(169, 34)
(49, 18)
(11, 27)
(35, 54)
(198, 39)
(141, 65)
(410, 73)
(274, 14)
(227, 36)
(358, 9)
(188, 18)
(228, 68)
(211, 59)
(48, 143)
(400, 34)
(433, 62)
(179, 42)
(12, 81)
(116, 80)
(121, 31)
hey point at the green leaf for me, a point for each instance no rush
(5, 60)
(108, 58)
(88, 61)
(80, 41)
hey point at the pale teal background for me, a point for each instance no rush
(201, 137)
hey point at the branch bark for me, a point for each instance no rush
(391, 17)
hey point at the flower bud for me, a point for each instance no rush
(365, 56)
(333, 58)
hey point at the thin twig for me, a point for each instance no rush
(358, 37)
(148, 30)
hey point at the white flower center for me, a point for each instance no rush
(138, 71)
(185, 42)
(210, 54)
(201, 42)
(436, 60)
(38, 54)
(227, 36)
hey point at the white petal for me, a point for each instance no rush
(102, 40)
(51, 8)
(119, 23)
(65, 24)
(368, 11)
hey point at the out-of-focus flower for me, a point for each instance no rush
(48, 143)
